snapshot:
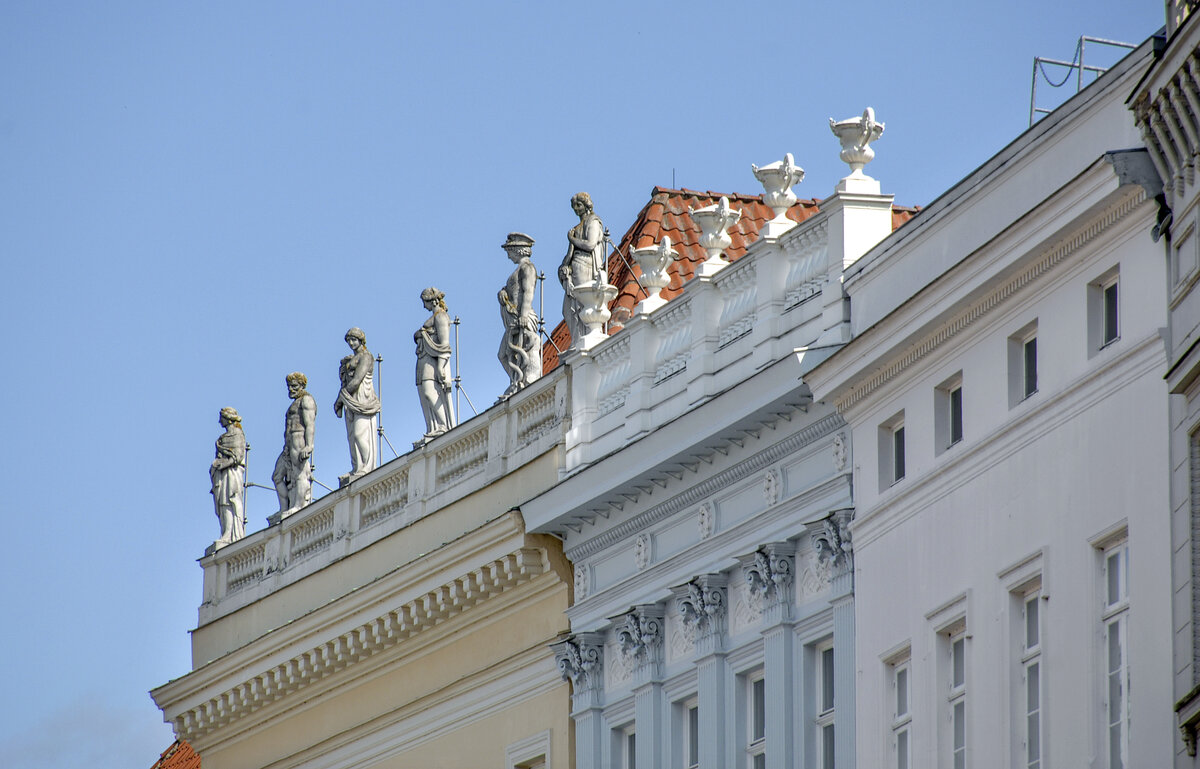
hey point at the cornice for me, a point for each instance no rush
(967, 317)
(706, 488)
(363, 642)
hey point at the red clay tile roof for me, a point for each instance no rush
(667, 214)
(179, 756)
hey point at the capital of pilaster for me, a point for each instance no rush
(703, 606)
(831, 539)
(770, 572)
(580, 660)
(640, 635)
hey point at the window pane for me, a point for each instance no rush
(760, 710)
(1033, 739)
(1031, 623)
(760, 761)
(1114, 647)
(1114, 747)
(1033, 688)
(959, 654)
(1113, 569)
(960, 725)
(631, 751)
(1110, 313)
(902, 692)
(956, 404)
(1030, 350)
(898, 454)
(693, 736)
(827, 747)
(902, 750)
(826, 680)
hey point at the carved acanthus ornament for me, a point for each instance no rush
(832, 539)
(580, 660)
(770, 573)
(703, 606)
(640, 635)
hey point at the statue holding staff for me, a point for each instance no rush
(434, 383)
(228, 476)
(293, 469)
(584, 262)
(521, 347)
(360, 404)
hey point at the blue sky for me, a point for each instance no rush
(197, 198)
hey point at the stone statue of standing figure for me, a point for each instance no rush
(584, 262)
(434, 383)
(521, 348)
(293, 469)
(228, 476)
(360, 404)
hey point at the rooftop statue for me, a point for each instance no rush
(293, 469)
(228, 476)
(433, 366)
(521, 348)
(358, 400)
(583, 265)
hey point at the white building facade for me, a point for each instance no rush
(1004, 394)
(704, 503)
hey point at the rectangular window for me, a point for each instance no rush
(1029, 351)
(1023, 364)
(1103, 306)
(825, 701)
(756, 721)
(957, 698)
(901, 716)
(1031, 678)
(948, 413)
(891, 451)
(1115, 619)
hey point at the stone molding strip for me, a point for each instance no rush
(703, 490)
(366, 640)
(979, 309)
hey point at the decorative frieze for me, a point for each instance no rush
(705, 520)
(641, 551)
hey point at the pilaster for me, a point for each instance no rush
(770, 571)
(640, 634)
(703, 603)
(580, 660)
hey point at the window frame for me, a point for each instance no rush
(825, 690)
(1024, 379)
(1031, 660)
(892, 462)
(756, 715)
(901, 726)
(1114, 623)
(948, 413)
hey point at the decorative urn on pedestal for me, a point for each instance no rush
(714, 221)
(856, 135)
(654, 261)
(594, 298)
(777, 179)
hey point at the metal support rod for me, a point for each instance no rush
(1077, 64)
(457, 377)
(383, 435)
(608, 240)
(245, 512)
(379, 416)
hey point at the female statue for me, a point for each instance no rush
(521, 347)
(433, 365)
(228, 476)
(360, 403)
(584, 262)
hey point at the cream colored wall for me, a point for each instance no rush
(404, 546)
(452, 668)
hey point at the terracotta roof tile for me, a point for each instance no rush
(179, 756)
(668, 213)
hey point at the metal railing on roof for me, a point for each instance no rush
(1077, 65)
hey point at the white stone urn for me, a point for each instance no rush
(777, 179)
(594, 296)
(654, 261)
(714, 221)
(855, 135)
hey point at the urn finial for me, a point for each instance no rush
(654, 261)
(714, 221)
(855, 135)
(777, 179)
